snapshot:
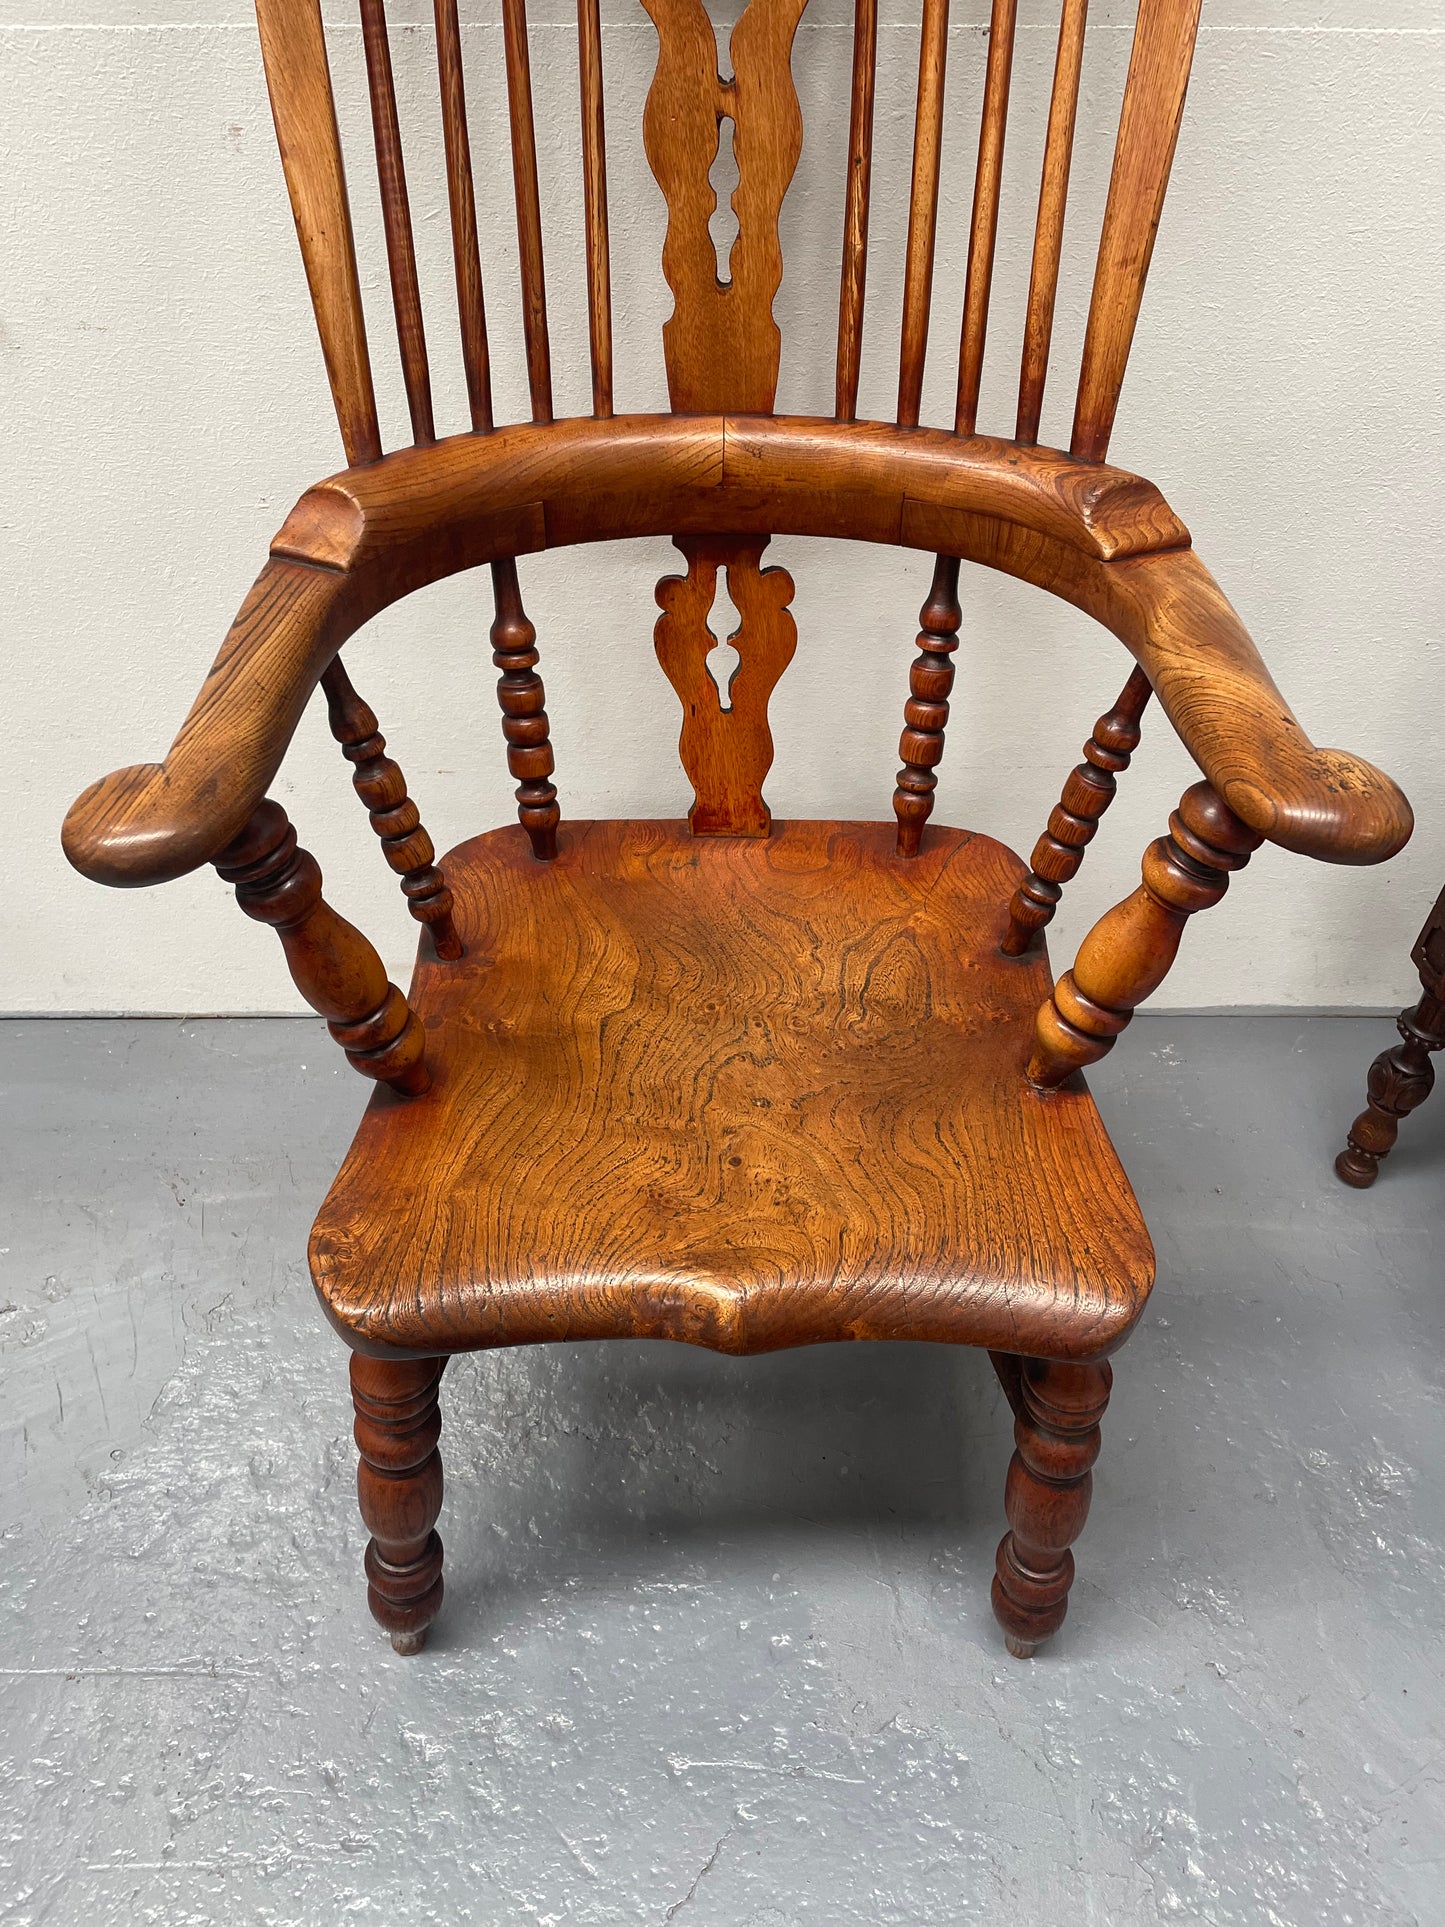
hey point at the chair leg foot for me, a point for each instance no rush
(1050, 1480)
(399, 1486)
(1357, 1167)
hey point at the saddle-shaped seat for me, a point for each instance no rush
(740, 1091)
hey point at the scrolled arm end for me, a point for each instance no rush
(1346, 812)
(132, 828)
(1223, 703)
(154, 822)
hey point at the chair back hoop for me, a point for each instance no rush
(722, 344)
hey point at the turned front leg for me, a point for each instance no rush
(333, 966)
(1127, 954)
(1050, 1482)
(399, 1487)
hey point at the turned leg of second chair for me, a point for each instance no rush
(1056, 1434)
(1401, 1079)
(399, 1484)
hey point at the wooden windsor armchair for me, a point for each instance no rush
(733, 1082)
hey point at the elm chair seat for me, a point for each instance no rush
(742, 1092)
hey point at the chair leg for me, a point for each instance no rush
(399, 1485)
(1401, 1079)
(1050, 1480)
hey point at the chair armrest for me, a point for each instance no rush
(156, 821)
(367, 537)
(1174, 618)
(1224, 704)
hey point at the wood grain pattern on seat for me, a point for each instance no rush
(744, 1093)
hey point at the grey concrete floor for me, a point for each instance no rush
(717, 1645)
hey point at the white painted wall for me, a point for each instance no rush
(162, 402)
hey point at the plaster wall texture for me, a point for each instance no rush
(163, 403)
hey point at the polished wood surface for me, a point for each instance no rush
(1088, 792)
(594, 190)
(919, 249)
(1102, 539)
(1148, 131)
(529, 208)
(726, 747)
(399, 1488)
(721, 343)
(857, 199)
(333, 966)
(378, 781)
(462, 204)
(523, 703)
(983, 231)
(396, 222)
(740, 1083)
(1049, 228)
(1057, 1410)
(1127, 954)
(925, 714)
(1403, 1077)
(746, 1093)
(298, 78)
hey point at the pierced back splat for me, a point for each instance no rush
(721, 344)
(726, 751)
(722, 349)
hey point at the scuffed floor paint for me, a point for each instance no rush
(717, 1645)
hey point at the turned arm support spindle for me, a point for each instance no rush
(925, 714)
(1089, 791)
(1127, 954)
(524, 714)
(378, 781)
(333, 966)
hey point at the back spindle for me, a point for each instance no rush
(983, 235)
(594, 189)
(396, 219)
(855, 213)
(298, 79)
(922, 210)
(1163, 50)
(461, 198)
(529, 208)
(1088, 792)
(925, 714)
(524, 713)
(1049, 230)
